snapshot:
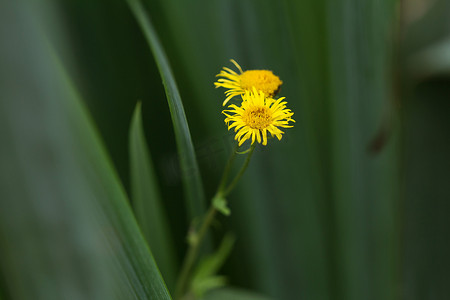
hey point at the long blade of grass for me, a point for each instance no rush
(365, 185)
(190, 172)
(147, 203)
(66, 228)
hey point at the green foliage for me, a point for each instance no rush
(188, 162)
(235, 294)
(221, 205)
(67, 231)
(351, 204)
(147, 203)
(204, 278)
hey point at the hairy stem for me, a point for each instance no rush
(197, 238)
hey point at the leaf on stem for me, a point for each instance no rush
(227, 293)
(221, 204)
(205, 278)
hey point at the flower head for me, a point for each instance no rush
(239, 84)
(257, 116)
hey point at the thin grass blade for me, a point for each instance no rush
(195, 198)
(147, 202)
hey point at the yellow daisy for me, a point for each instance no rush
(256, 116)
(238, 84)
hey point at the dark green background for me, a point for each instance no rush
(353, 203)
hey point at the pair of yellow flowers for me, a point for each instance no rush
(259, 113)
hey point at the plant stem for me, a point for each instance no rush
(191, 256)
(194, 246)
(226, 172)
(196, 242)
(241, 172)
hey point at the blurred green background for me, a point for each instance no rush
(353, 203)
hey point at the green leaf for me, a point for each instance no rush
(233, 293)
(190, 172)
(204, 277)
(66, 228)
(203, 285)
(221, 205)
(146, 201)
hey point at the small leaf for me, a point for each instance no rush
(245, 151)
(221, 204)
(204, 277)
(232, 293)
(207, 284)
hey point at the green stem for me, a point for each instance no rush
(226, 172)
(196, 242)
(191, 256)
(194, 247)
(241, 172)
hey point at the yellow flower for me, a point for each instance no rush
(238, 84)
(256, 116)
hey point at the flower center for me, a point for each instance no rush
(257, 117)
(262, 80)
